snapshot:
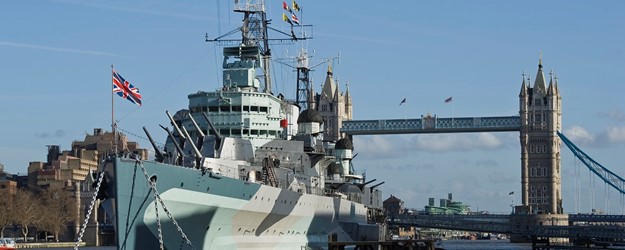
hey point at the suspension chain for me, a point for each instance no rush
(160, 200)
(93, 199)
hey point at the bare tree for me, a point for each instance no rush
(28, 211)
(6, 211)
(58, 203)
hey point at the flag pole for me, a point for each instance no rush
(113, 125)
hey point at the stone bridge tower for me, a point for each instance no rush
(541, 118)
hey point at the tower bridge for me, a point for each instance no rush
(538, 122)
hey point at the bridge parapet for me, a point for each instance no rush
(432, 124)
(523, 227)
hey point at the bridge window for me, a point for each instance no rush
(213, 108)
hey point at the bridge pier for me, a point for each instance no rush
(526, 227)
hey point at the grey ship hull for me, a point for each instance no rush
(217, 212)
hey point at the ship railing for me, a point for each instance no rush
(249, 6)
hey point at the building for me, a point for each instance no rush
(7, 183)
(334, 106)
(447, 206)
(393, 206)
(73, 170)
(541, 118)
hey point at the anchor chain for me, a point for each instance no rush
(158, 218)
(160, 200)
(93, 199)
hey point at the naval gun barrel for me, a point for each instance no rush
(369, 182)
(199, 131)
(173, 139)
(175, 125)
(376, 185)
(198, 155)
(159, 154)
(213, 129)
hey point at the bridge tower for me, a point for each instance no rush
(541, 118)
(334, 106)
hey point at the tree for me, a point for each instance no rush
(60, 205)
(6, 211)
(28, 211)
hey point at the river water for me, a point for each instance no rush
(447, 244)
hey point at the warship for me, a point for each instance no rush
(237, 173)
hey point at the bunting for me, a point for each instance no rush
(295, 6)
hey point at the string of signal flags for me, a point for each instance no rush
(291, 9)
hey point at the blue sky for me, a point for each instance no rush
(56, 58)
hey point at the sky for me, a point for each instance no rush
(56, 58)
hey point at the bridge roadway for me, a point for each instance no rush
(606, 227)
(432, 124)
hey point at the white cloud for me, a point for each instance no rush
(457, 142)
(393, 146)
(615, 114)
(616, 134)
(579, 135)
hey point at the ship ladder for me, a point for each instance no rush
(269, 175)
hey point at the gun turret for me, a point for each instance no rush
(159, 154)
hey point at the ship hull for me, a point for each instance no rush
(217, 212)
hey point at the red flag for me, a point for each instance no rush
(294, 19)
(285, 6)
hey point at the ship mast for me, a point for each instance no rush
(254, 42)
(254, 33)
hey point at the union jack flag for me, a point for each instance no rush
(124, 89)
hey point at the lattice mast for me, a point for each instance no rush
(254, 33)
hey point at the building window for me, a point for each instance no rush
(324, 108)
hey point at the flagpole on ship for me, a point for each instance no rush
(113, 125)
